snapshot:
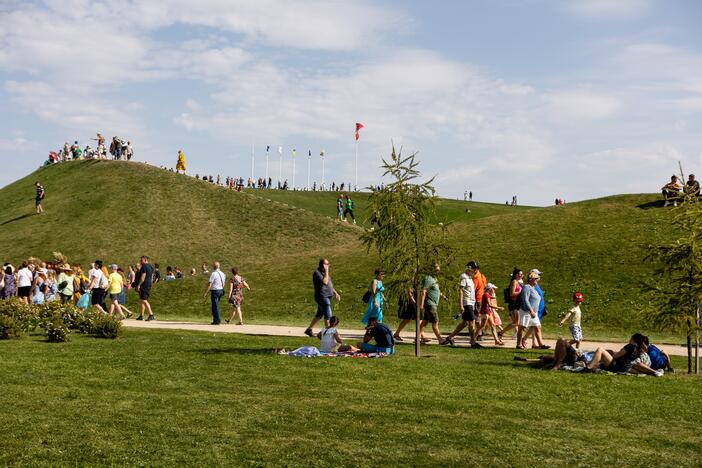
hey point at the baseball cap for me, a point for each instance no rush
(535, 270)
(491, 286)
(473, 264)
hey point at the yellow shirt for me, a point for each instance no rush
(116, 283)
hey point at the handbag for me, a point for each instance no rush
(83, 302)
(366, 296)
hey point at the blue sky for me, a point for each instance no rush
(542, 99)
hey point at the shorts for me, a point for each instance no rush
(526, 320)
(24, 291)
(576, 332)
(97, 296)
(431, 314)
(323, 308)
(115, 297)
(37, 201)
(144, 294)
(468, 313)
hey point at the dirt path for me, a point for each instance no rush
(275, 330)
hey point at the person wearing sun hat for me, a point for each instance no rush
(542, 305)
(66, 283)
(489, 313)
(528, 314)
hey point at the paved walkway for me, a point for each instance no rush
(275, 330)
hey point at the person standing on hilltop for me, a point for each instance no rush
(349, 209)
(323, 293)
(180, 165)
(143, 288)
(215, 286)
(39, 197)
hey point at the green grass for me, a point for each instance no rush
(118, 211)
(165, 398)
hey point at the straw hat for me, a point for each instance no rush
(65, 267)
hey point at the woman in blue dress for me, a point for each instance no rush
(376, 302)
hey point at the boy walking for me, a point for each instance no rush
(575, 316)
(40, 192)
(349, 209)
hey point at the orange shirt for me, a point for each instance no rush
(480, 282)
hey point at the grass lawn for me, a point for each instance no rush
(165, 398)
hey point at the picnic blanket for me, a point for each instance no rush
(311, 351)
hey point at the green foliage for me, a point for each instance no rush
(105, 326)
(404, 235)
(9, 328)
(676, 286)
(56, 329)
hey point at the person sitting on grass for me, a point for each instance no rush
(331, 341)
(659, 358)
(563, 354)
(671, 191)
(692, 187)
(381, 334)
(631, 359)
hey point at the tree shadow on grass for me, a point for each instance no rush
(16, 219)
(241, 351)
(649, 205)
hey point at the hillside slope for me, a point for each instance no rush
(117, 211)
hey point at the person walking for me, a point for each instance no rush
(511, 295)
(39, 197)
(180, 164)
(66, 283)
(376, 301)
(349, 209)
(115, 285)
(479, 280)
(143, 288)
(236, 295)
(215, 286)
(528, 313)
(575, 316)
(9, 280)
(98, 287)
(323, 293)
(467, 301)
(340, 207)
(25, 278)
(406, 311)
(429, 305)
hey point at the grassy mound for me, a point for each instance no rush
(118, 210)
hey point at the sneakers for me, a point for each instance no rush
(150, 318)
(447, 341)
(309, 333)
(141, 317)
(658, 373)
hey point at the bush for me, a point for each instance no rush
(9, 328)
(84, 321)
(56, 329)
(105, 326)
(26, 317)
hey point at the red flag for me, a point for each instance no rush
(359, 126)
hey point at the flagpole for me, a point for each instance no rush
(252, 161)
(356, 167)
(293, 180)
(280, 167)
(267, 167)
(309, 163)
(323, 161)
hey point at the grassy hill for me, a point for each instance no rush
(117, 211)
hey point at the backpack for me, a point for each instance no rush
(103, 282)
(507, 296)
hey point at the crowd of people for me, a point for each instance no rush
(479, 312)
(118, 149)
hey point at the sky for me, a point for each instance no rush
(541, 99)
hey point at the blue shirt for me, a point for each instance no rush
(542, 304)
(529, 297)
(658, 361)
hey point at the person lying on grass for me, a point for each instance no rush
(631, 359)
(331, 341)
(564, 354)
(381, 334)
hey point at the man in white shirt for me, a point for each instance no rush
(25, 278)
(216, 289)
(466, 299)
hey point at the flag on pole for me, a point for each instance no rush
(280, 150)
(294, 152)
(268, 147)
(359, 126)
(321, 154)
(309, 154)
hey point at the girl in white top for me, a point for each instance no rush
(331, 341)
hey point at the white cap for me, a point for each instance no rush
(535, 270)
(490, 286)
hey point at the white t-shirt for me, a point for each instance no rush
(328, 344)
(576, 316)
(24, 278)
(217, 280)
(98, 275)
(468, 287)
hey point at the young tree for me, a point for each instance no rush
(677, 277)
(404, 232)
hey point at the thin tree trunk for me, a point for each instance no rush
(689, 346)
(697, 340)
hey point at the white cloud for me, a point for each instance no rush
(610, 9)
(581, 104)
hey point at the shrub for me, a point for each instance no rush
(84, 321)
(25, 316)
(105, 326)
(9, 328)
(56, 329)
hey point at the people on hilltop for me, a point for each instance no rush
(671, 191)
(180, 164)
(348, 210)
(692, 186)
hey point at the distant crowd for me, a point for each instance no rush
(118, 149)
(674, 191)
